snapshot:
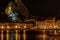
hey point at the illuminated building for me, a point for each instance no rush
(57, 23)
(50, 22)
(40, 24)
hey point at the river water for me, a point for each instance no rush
(30, 35)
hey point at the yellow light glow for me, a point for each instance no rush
(8, 26)
(19, 27)
(24, 35)
(8, 10)
(25, 26)
(16, 34)
(2, 36)
(2, 27)
(44, 36)
(16, 26)
(7, 35)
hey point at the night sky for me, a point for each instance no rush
(39, 7)
(43, 7)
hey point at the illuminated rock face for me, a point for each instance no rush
(12, 7)
(13, 15)
(18, 5)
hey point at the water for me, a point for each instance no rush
(30, 35)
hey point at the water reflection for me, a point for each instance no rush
(29, 35)
(12, 35)
(51, 38)
(40, 35)
(50, 32)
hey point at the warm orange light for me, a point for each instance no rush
(49, 23)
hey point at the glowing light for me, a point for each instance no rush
(2, 35)
(19, 27)
(44, 36)
(55, 32)
(59, 30)
(2, 27)
(8, 10)
(55, 39)
(25, 26)
(13, 16)
(8, 26)
(16, 34)
(24, 35)
(16, 26)
(7, 35)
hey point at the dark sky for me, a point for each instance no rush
(36, 7)
(39, 7)
(43, 7)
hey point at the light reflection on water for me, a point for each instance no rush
(32, 35)
(48, 35)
